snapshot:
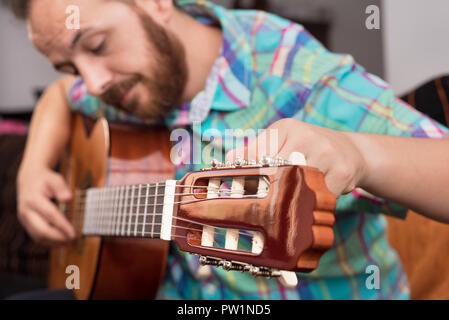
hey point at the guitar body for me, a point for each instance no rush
(112, 267)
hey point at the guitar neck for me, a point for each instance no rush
(144, 210)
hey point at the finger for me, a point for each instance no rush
(333, 183)
(312, 155)
(40, 230)
(232, 155)
(327, 165)
(53, 216)
(296, 153)
(58, 187)
(266, 144)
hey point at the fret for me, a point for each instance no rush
(113, 193)
(131, 210)
(107, 205)
(159, 209)
(140, 210)
(137, 210)
(113, 209)
(93, 211)
(97, 227)
(87, 214)
(119, 211)
(116, 210)
(90, 210)
(106, 211)
(76, 209)
(145, 210)
(103, 209)
(125, 210)
(154, 209)
(99, 207)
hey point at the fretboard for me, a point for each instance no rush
(143, 210)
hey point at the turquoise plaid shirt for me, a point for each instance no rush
(270, 68)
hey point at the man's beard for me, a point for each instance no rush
(166, 85)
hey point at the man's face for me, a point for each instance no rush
(123, 56)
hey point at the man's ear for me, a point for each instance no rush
(160, 10)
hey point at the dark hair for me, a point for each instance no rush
(21, 8)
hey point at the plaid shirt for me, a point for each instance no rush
(270, 68)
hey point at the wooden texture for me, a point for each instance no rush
(296, 217)
(423, 246)
(85, 166)
(114, 268)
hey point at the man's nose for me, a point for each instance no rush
(96, 78)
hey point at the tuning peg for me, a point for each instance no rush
(204, 261)
(252, 163)
(279, 161)
(239, 162)
(297, 158)
(215, 164)
(226, 265)
(203, 272)
(288, 279)
(266, 161)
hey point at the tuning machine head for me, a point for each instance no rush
(216, 164)
(227, 265)
(239, 162)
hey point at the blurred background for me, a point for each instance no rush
(410, 47)
(410, 50)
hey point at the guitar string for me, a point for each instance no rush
(111, 195)
(139, 206)
(129, 215)
(155, 234)
(114, 191)
(127, 196)
(130, 204)
(146, 187)
(106, 225)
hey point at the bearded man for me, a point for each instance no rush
(149, 61)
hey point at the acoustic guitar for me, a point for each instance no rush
(127, 208)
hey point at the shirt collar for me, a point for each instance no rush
(228, 84)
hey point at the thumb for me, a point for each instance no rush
(59, 188)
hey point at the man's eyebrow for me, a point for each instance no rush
(75, 40)
(77, 37)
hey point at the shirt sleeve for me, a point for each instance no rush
(347, 98)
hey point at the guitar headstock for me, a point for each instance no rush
(255, 217)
